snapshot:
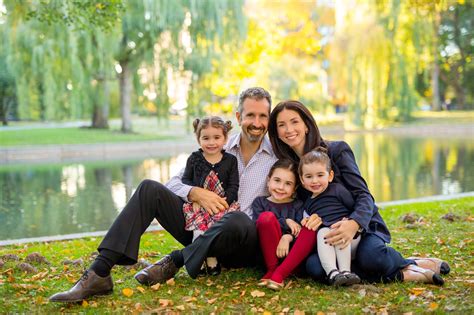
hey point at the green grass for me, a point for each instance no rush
(234, 290)
(72, 136)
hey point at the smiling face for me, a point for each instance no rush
(281, 185)
(212, 140)
(292, 130)
(315, 177)
(254, 119)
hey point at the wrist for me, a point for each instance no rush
(357, 227)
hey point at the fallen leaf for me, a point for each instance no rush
(211, 301)
(417, 291)
(84, 303)
(165, 302)
(170, 282)
(155, 287)
(267, 313)
(433, 306)
(257, 293)
(127, 292)
(138, 306)
(180, 307)
(298, 312)
(242, 293)
(285, 310)
(142, 290)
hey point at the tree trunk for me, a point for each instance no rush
(100, 116)
(125, 96)
(436, 102)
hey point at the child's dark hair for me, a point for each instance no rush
(214, 121)
(318, 155)
(286, 164)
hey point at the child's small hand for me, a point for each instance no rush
(294, 227)
(284, 245)
(312, 222)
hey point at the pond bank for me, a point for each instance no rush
(156, 227)
(143, 149)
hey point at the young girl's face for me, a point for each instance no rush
(212, 140)
(281, 184)
(315, 177)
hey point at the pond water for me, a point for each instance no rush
(45, 200)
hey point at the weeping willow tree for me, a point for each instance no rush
(64, 56)
(149, 23)
(8, 101)
(55, 65)
(382, 49)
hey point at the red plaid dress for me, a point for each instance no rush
(200, 219)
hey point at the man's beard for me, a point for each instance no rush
(255, 138)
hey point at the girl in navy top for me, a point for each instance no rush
(277, 218)
(211, 168)
(332, 202)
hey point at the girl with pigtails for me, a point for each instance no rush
(213, 169)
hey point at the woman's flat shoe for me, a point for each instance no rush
(437, 265)
(418, 274)
(262, 282)
(274, 285)
(352, 278)
(214, 271)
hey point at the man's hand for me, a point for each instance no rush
(342, 233)
(209, 200)
(312, 222)
(284, 245)
(294, 227)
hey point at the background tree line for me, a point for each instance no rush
(92, 59)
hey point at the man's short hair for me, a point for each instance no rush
(255, 93)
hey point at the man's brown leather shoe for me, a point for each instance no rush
(90, 284)
(164, 269)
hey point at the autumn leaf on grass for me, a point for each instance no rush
(211, 301)
(433, 306)
(142, 290)
(127, 292)
(155, 287)
(285, 310)
(417, 291)
(84, 303)
(180, 307)
(170, 281)
(257, 293)
(165, 302)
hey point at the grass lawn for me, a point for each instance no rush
(73, 136)
(236, 290)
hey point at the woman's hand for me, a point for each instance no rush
(342, 233)
(294, 227)
(209, 200)
(312, 222)
(284, 245)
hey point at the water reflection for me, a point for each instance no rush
(64, 199)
